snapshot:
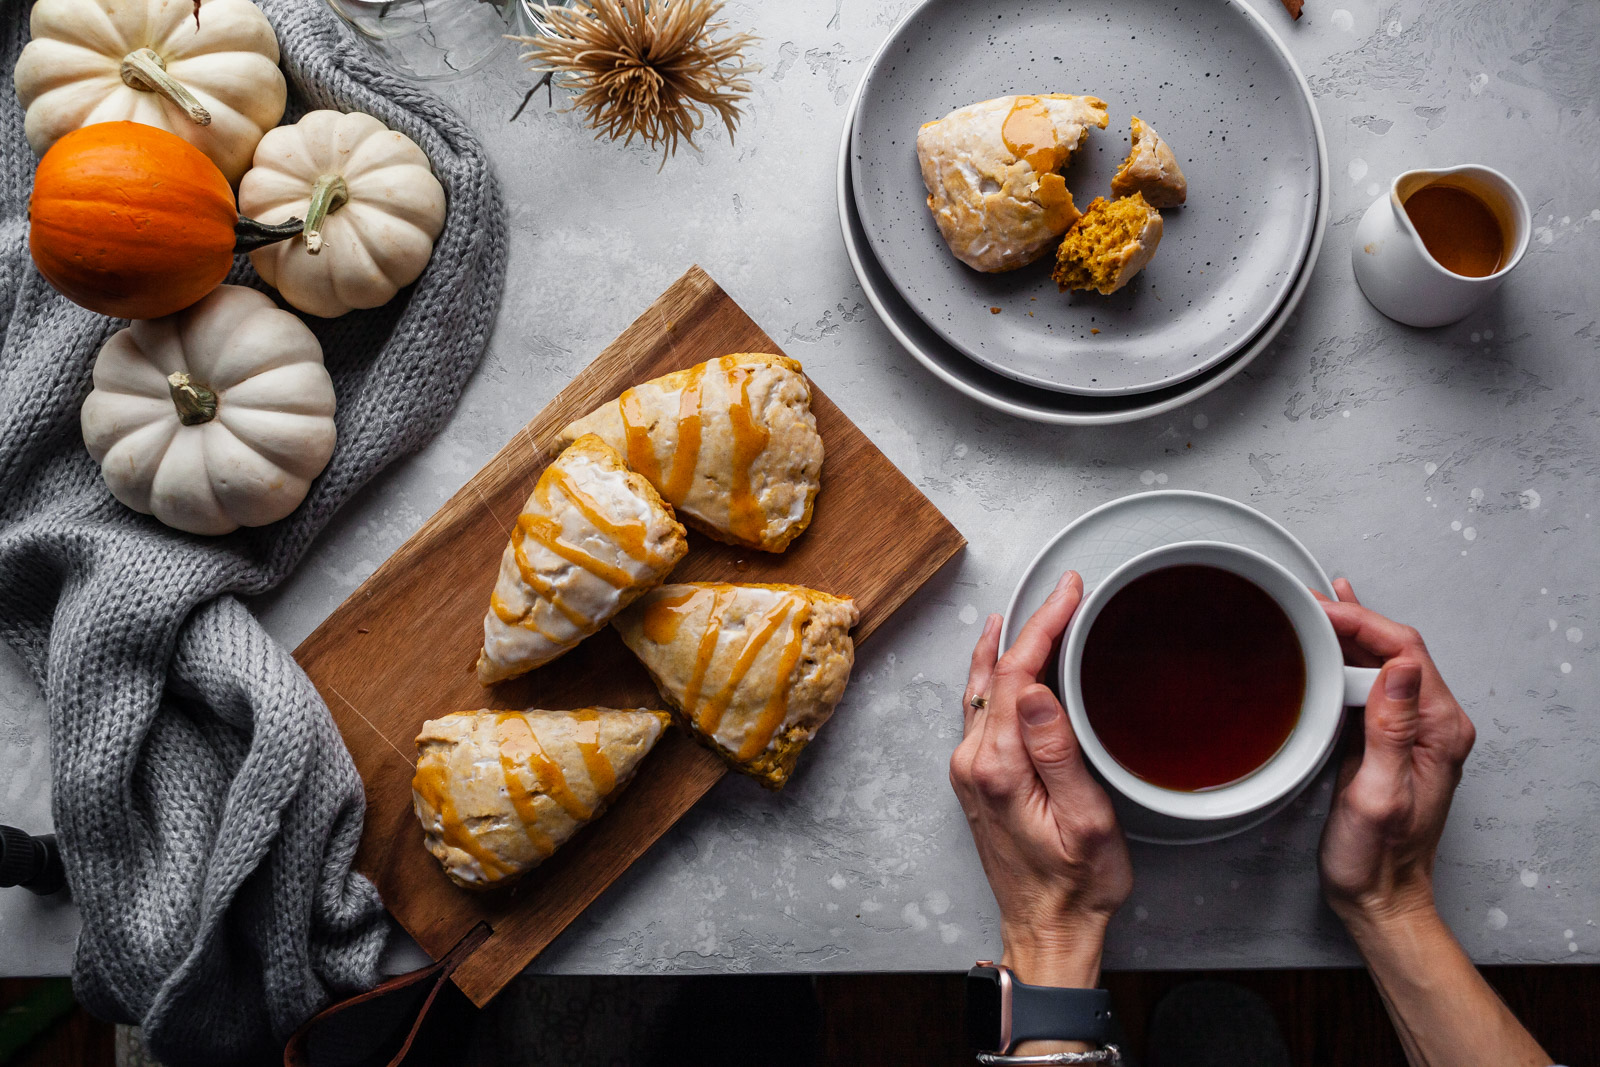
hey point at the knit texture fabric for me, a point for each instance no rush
(207, 810)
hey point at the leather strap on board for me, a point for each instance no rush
(360, 1031)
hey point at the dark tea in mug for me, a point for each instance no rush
(1192, 677)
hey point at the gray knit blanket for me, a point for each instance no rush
(207, 811)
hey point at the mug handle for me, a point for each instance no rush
(1358, 683)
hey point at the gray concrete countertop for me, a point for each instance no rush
(1453, 474)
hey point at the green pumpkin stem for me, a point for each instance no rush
(195, 402)
(249, 235)
(328, 195)
(146, 71)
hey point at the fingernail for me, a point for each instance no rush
(1403, 681)
(990, 624)
(1061, 585)
(1036, 706)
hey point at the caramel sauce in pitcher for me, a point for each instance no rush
(1458, 230)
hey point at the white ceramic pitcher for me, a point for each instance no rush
(1393, 266)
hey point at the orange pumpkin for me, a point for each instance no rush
(134, 222)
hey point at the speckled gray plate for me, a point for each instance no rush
(1210, 76)
(996, 391)
(1099, 541)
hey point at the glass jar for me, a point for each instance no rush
(431, 39)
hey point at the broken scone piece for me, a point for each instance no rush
(592, 536)
(992, 174)
(730, 443)
(1151, 170)
(1109, 245)
(753, 670)
(498, 791)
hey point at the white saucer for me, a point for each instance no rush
(1097, 542)
(1017, 398)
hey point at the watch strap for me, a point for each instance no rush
(1049, 1013)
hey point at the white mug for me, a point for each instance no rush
(1393, 266)
(1330, 687)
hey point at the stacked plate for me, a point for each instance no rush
(1218, 84)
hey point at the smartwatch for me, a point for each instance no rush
(1002, 1012)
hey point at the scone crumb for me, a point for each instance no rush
(1108, 245)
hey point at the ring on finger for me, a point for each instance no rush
(979, 702)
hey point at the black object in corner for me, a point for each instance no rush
(31, 862)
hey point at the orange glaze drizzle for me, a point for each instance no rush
(1059, 210)
(1030, 135)
(520, 746)
(529, 620)
(514, 751)
(677, 483)
(587, 735)
(539, 584)
(680, 481)
(641, 449)
(703, 654)
(663, 617)
(547, 532)
(760, 735)
(746, 520)
(631, 537)
(709, 716)
(432, 783)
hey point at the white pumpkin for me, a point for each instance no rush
(210, 76)
(371, 205)
(213, 418)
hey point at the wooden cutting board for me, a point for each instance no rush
(401, 649)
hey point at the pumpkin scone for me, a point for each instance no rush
(730, 443)
(1150, 170)
(992, 174)
(592, 536)
(497, 792)
(1109, 245)
(753, 670)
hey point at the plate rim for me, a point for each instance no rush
(1133, 413)
(1283, 303)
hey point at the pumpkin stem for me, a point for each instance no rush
(146, 71)
(195, 402)
(328, 195)
(249, 235)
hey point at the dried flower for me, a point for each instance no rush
(646, 68)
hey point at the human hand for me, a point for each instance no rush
(1390, 807)
(1045, 830)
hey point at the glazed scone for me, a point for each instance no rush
(753, 670)
(1151, 170)
(1109, 245)
(592, 536)
(991, 170)
(498, 791)
(730, 443)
